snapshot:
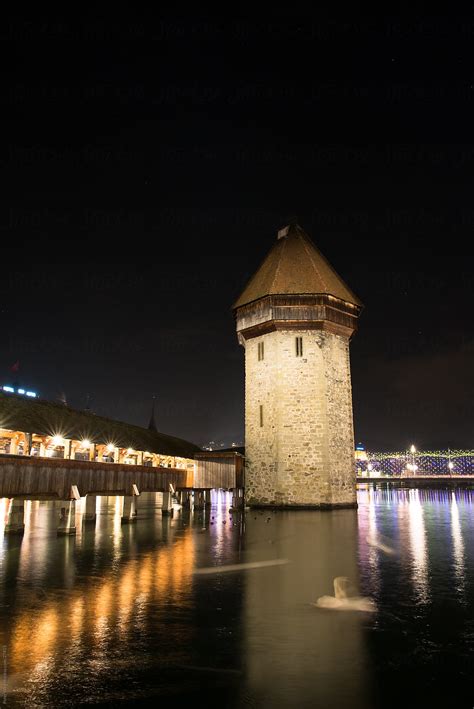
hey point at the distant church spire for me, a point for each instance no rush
(152, 424)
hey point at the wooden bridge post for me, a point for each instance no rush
(129, 510)
(167, 504)
(198, 500)
(15, 517)
(186, 499)
(237, 498)
(90, 507)
(67, 518)
(14, 445)
(67, 449)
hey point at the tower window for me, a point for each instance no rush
(299, 346)
(260, 351)
(261, 415)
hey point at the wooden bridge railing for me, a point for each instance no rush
(48, 477)
(24, 476)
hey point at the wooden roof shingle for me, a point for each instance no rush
(295, 266)
(18, 413)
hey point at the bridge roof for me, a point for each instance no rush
(48, 418)
(295, 266)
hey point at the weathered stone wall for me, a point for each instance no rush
(304, 452)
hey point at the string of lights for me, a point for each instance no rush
(454, 462)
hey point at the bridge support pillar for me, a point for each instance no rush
(186, 499)
(90, 507)
(13, 446)
(198, 500)
(15, 517)
(129, 511)
(167, 505)
(237, 498)
(207, 498)
(67, 449)
(67, 518)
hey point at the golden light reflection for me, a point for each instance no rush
(77, 617)
(103, 611)
(90, 615)
(34, 637)
(126, 590)
(117, 524)
(3, 511)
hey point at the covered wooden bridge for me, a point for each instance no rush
(50, 451)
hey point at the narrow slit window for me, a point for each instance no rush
(261, 351)
(261, 415)
(299, 346)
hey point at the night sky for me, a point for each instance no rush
(147, 165)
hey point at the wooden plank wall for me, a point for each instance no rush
(216, 471)
(43, 478)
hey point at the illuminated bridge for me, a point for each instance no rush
(415, 464)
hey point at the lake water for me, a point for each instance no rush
(117, 615)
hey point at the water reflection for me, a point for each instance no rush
(458, 544)
(59, 615)
(422, 632)
(367, 520)
(418, 545)
(119, 612)
(95, 609)
(292, 648)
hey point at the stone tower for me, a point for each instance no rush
(295, 319)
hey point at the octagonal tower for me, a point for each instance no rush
(295, 319)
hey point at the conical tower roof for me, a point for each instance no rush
(295, 266)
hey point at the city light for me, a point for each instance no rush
(110, 447)
(11, 390)
(430, 462)
(412, 466)
(86, 443)
(57, 440)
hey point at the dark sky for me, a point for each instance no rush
(148, 163)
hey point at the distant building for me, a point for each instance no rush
(360, 452)
(295, 319)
